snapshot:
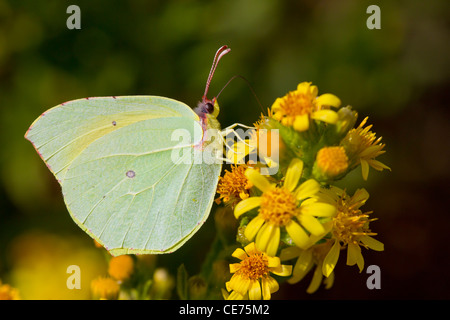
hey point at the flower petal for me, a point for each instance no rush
(277, 104)
(254, 293)
(360, 195)
(239, 284)
(328, 99)
(235, 296)
(302, 266)
(274, 241)
(253, 227)
(293, 174)
(269, 285)
(246, 205)
(273, 262)
(372, 243)
(239, 253)
(327, 226)
(354, 256)
(273, 284)
(371, 152)
(297, 234)
(227, 285)
(258, 180)
(290, 253)
(225, 294)
(250, 248)
(283, 270)
(329, 263)
(319, 209)
(365, 169)
(329, 281)
(234, 267)
(307, 189)
(264, 235)
(328, 116)
(315, 281)
(377, 165)
(265, 290)
(301, 122)
(312, 224)
(306, 89)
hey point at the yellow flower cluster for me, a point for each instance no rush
(298, 215)
(8, 293)
(120, 269)
(131, 277)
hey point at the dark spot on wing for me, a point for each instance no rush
(114, 123)
(131, 174)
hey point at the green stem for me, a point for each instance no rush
(213, 254)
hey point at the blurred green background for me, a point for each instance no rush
(399, 76)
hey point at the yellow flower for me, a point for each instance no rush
(8, 293)
(331, 162)
(233, 186)
(105, 288)
(306, 260)
(121, 267)
(350, 230)
(363, 147)
(261, 143)
(251, 276)
(284, 207)
(298, 107)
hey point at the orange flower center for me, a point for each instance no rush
(255, 266)
(297, 104)
(278, 206)
(233, 186)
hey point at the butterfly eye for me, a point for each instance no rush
(209, 107)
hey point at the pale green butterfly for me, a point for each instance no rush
(127, 180)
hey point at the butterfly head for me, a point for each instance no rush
(208, 108)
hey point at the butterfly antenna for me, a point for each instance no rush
(219, 54)
(249, 85)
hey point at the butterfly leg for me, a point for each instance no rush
(227, 146)
(234, 125)
(229, 130)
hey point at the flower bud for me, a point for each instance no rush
(163, 283)
(331, 162)
(346, 120)
(197, 288)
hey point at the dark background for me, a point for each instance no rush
(398, 76)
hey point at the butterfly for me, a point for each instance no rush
(128, 166)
